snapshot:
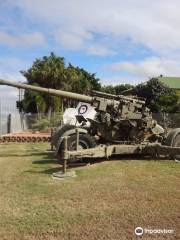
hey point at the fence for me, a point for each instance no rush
(7, 106)
(16, 122)
(3, 124)
(12, 123)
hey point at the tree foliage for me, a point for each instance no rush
(52, 72)
(117, 89)
(168, 103)
(159, 97)
(80, 80)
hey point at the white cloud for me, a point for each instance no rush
(94, 26)
(154, 24)
(99, 50)
(149, 67)
(24, 39)
(9, 70)
(73, 38)
(8, 93)
(117, 79)
(79, 39)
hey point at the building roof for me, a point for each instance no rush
(172, 82)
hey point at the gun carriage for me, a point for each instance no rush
(121, 125)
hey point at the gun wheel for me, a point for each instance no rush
(85, 142)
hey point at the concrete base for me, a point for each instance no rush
(177, 160)
(49, 151)
(60, 175)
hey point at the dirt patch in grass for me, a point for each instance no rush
(106, 201)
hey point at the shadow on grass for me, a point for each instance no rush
(86, 162)
(24, 155)
(45, 161)
(49, 171)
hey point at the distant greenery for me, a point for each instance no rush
(117, 89)
(159, 97)
(52, 72)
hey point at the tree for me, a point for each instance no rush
(47, 72)
(33, 102)
(168, 103)
(153, 91)
(82, 81)
(51, 72)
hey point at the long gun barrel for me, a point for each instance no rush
(54, 92)
(98, 99)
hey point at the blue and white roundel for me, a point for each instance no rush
(82, 109)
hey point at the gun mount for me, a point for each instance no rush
(118, 120)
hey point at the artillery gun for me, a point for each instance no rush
(120, 125)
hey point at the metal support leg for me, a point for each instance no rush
(52, 131)
(77, 139)
(64, 173)
(65, 158)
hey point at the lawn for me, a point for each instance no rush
(105, 201)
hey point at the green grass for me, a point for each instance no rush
(105, 201)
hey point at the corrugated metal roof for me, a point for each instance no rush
(172, 82)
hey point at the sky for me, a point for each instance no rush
(121, 41)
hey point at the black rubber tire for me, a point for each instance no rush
(59, 133)
(176, 143)
(85, 141)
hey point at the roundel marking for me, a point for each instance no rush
(82, 109)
